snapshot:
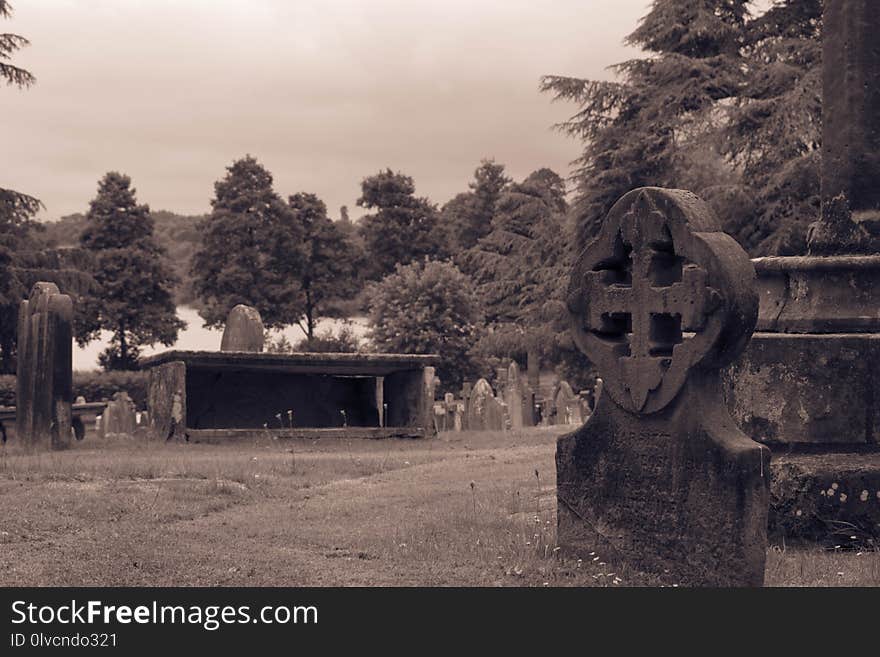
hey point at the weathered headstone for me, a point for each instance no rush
(660, 477)
(244, 330)
(466, 389)
(119, 418)
(484, 411)
(513, 396)
(45, 368)
(566, 403)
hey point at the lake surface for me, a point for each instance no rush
(196, 337)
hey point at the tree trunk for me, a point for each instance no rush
(310, 316)
(123, 347)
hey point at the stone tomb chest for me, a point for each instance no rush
(210, 395)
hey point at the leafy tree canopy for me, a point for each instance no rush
(428, 307)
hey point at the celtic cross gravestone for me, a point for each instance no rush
(660, 477)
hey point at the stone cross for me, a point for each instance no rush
(243, 331)
(660, 477)
(45, 368)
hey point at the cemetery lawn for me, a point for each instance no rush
(469, 509)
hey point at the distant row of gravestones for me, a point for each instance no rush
(514, 405)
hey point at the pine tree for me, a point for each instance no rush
(324, 263)
(238, 259)
(774, 131)
(404, 227)
(511, 262)
(21, 262)
(468, 216)
(640, 130)
(134, 297)
(15, 207)
(726, 104)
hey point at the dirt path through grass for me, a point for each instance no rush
(464, 509)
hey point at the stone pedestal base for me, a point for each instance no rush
(832, 498)
(807, 388)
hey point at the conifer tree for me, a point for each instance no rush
(238, 260)
(639, 129)
(403, 228)
(134, 284)
(512, 261)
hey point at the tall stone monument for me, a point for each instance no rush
(660, 477)
(244, 330)
(807, 382)
(45, 368)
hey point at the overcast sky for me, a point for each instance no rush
(322, 92)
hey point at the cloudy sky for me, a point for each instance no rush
(322, 92)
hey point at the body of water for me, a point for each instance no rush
(196, 337)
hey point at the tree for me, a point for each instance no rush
(238, 261)
(727, 104)
(24, 260)
(134, 298)
(404, 227)
(773, 134)
(323, 262)
(640, 130)
(510, 263)
(16, 207)
(427, 307)
(468, 216)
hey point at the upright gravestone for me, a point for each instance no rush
(484, 411)
(244, 330)
(45, 368)
(119, 418)
(565, 401)
(660, 477)
(513, 396)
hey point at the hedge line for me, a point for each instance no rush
(94, 386)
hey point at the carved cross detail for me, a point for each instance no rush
(643, 298)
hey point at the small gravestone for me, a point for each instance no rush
(244, 330)
(567, 408)
(513, 396)
(119, 417)
(660, 477)
(484, 411)
(44, 387)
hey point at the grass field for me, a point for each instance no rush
(472, 509)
